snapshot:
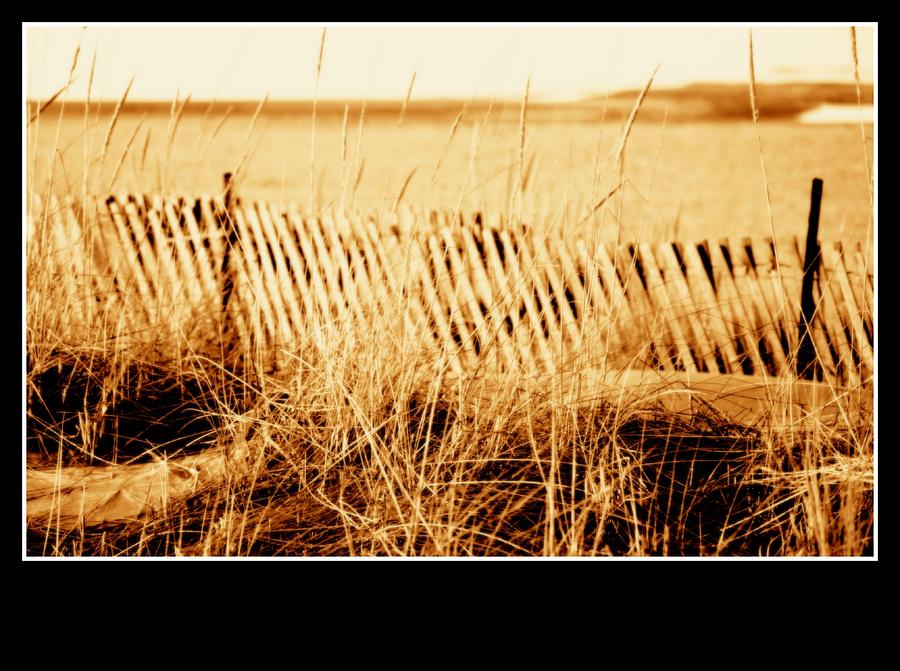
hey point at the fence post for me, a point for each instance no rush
(228, 185)
(807, 366)
(226, 223)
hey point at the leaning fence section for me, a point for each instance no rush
(256, 279)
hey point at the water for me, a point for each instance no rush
(828, 113)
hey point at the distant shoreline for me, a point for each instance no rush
(696, 102)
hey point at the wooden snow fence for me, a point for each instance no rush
(478, 293)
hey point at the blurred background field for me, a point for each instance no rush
(691, 168)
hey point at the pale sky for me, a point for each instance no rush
(239, 61)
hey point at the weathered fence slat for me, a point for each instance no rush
(191, 269)
(282, 276)
(710, 314)
(846, 306)
(862, 290)
(168, 284)
(248, 252)
(559, 292)
(495, 327)
(482, 331)
(650, 329)
(693, 318)
(832, 320)
(506, 297)
(731, 281)
(765, 305)
(443, 286)
(522, 292)
(533, 291)
(607, 343)
(660, 287)
(131, 272)
(765, 341)
(440, 314)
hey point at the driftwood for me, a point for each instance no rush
(779, 403)
(83, 496)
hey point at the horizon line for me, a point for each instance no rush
(536, 99)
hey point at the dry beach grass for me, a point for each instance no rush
(365, 442)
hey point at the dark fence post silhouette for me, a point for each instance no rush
(226, 223)
(228, 185)
(807, 366)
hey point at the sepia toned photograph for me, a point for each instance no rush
(458, 290)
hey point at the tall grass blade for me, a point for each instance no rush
(113, 121)
(49, 101)
(312, 141)
(762, 159)
(862, 129)
(118, 167)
